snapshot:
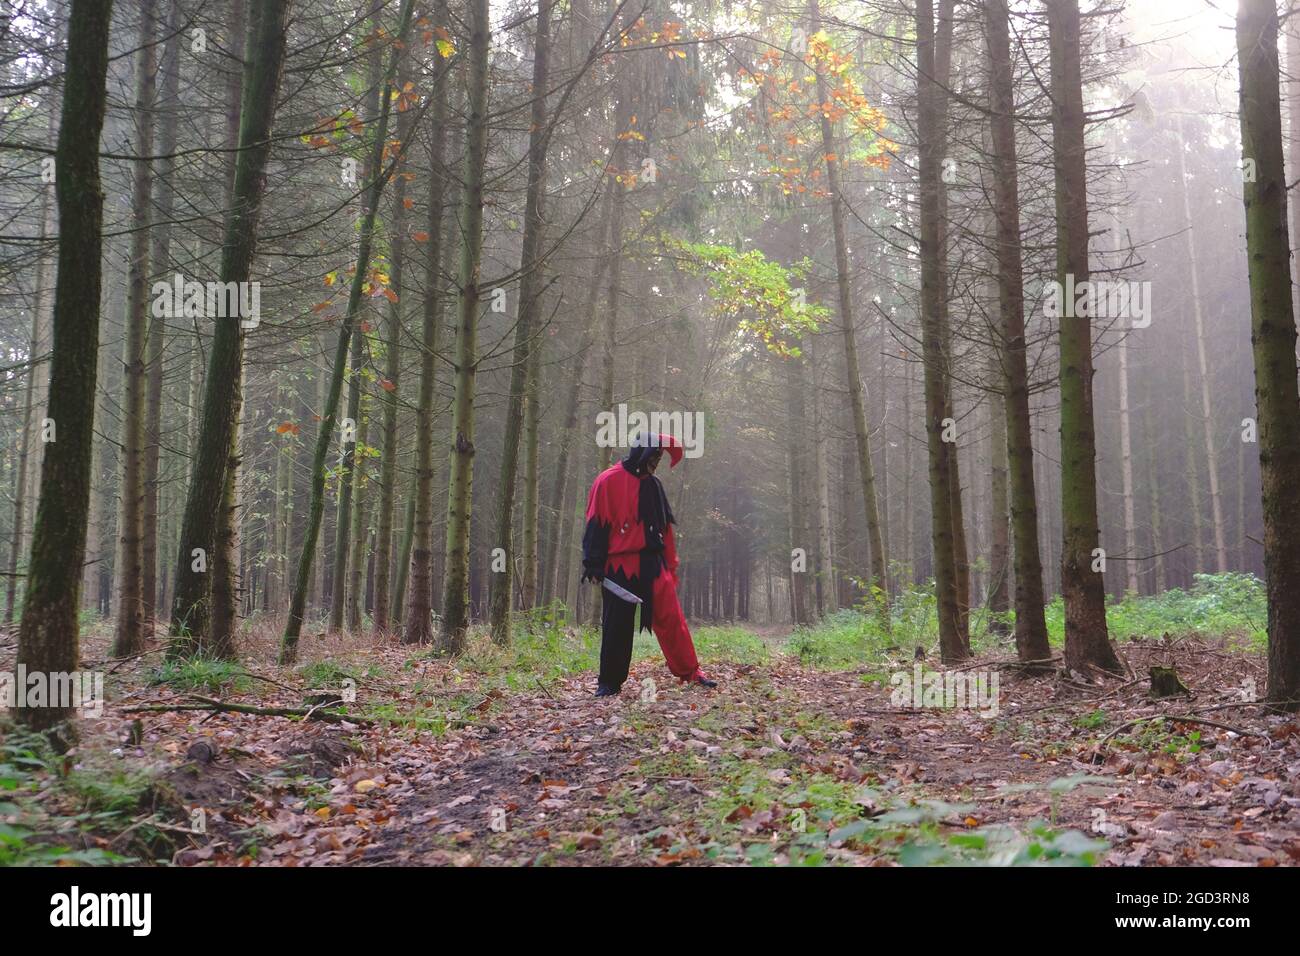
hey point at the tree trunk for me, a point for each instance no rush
(795, 369)
(1274, 341)
(419, 619)
(1193, 463)
(1126, 461)
(160, 256)
(392, 373)
(455, 602)
(530, 287)
(356, 556)
(44, 297)
(48, 638)
(532, 476)
(1153, 484)
(857, 398)
(930, 122)
(378, 176)
(128, 638)
(1202, 359)
(190, 618)
(557, 556)
(226, 561)
(226, 564)
(1083, 589)
(343, 521)
(999, 503)
(825, 552)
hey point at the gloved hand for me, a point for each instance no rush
(594, 576)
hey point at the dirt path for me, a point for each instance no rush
(696, 777)
(782, 763)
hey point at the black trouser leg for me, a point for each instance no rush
(617, 619)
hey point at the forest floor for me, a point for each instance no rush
(507, 758)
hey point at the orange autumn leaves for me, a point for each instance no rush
(668, 35)
(788, 96)
(333, 131)
(376, 284)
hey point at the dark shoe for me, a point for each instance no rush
(603, 691)
(699, 678)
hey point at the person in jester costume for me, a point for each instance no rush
(629, 544)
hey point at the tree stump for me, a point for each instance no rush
(1165, 683)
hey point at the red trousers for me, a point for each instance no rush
(618, 618)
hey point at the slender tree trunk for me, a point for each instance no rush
(392, 374)
(356, 563)
(352, 424)
(1274, 341)
(1126, 460)
(532, 477)
(530, 287)
(378, 176)
(961, 553)
(44, 296)
(128, 638)
(1192, 462)
(909, 528)
(419, 622)
(930, 122)
(826, 603)
(800, 598)
(190, 618)
(160, 256)
(48, 637)
(857, 398)
(455, 601)
(566, 519)
(1031, 632)
(319, 564)
(1086, 639)
(1202, 358)
(999, 503)
(568, 428)
(1153, 484)
(226, 561)
(402, 577)
(604, 454)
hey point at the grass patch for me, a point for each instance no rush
(730, 643)
(202, 674)
(41, 833)
(1229, 604)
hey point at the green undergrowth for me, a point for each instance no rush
(57, 813)
(547, 648)
(547, 645)
(202, 675)
(1229, 605)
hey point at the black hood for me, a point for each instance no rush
(638, 457)
(645, 445)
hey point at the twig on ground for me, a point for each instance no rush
(1173, 718)
(207, 703)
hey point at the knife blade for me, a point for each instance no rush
(619, 592)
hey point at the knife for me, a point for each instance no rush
(619, 592)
